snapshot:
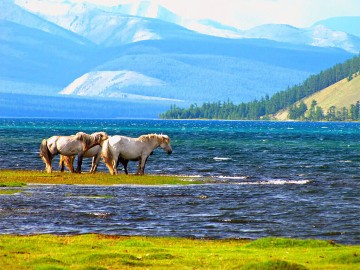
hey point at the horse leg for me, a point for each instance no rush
(115, 162)
(69, 162)
(124, 162)
(92, 169)
(95, 161)
(141, 167)
(80, 158)
(61, 163)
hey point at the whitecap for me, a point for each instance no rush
(221, 158)
(232, 177)
(99, 214)
(276, 182)
(345, 161)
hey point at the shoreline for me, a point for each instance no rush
(13, 178)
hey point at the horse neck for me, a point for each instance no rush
(154, 143)
(91, 144)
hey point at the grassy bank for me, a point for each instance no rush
(120, 252)
(19, 178)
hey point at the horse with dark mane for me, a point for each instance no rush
(76, 144)
(123, 149)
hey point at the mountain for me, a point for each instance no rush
(349, 24)
(125, 23)
(13, 13)
(210, 68)
(82, 52)
(34, 56)
(111, 29)
(318, 35)
(37, 54)
(110, 84)
(131, 22)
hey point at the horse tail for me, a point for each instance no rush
(45, 155)
(107, 156)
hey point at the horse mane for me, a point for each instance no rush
(160, 137)
(86, 139)
(89, 140)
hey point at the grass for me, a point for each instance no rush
(9, 191)
(20, 178)
(341, 94)
(93, 251)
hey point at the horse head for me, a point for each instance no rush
(164, 142)
(100, 137)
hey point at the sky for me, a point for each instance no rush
(245, 14)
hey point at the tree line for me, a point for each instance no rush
(266, 106)
(316, 113)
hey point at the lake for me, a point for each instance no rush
(290, 179)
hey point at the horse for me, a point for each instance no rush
(76, 144)
(94, 153)
(124, 149)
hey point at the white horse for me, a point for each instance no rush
(76, 144)
(123, 149)
(94, 153)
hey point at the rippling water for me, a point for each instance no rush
(272, 179)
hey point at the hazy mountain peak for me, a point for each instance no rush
(348, 24)
(111, 84)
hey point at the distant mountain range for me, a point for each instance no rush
(144, 52)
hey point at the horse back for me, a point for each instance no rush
(67, 145)
(126, 147)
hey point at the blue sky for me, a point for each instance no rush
(245, 14)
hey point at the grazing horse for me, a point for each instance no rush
(94, 153)
(123, 149)
(76, 144)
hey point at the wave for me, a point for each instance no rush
(233, 180)
(221, 158)
(275, 182)
(232, 177)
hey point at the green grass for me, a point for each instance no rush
(9, 191)
(20, 178)
(120, 252)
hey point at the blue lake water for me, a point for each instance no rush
(271, 179)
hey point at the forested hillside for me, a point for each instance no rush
(267, 106)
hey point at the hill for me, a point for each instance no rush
(289, 99)
(342, 94)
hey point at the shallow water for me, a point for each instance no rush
(272, 179)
